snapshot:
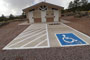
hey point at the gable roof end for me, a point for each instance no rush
(46, 3)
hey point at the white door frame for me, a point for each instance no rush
(56, 14)
(30, 15)
(43, 16)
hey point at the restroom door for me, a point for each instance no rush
(56, 14)
(43, 16)
(30, 14)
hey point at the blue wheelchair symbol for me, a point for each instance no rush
(69, 39)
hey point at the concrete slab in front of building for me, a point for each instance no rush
(44, 36)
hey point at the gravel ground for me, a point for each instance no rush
(10, 31)
(68, 53)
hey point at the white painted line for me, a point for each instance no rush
(37, 27)
(27, 28)
(75, 35)
(41, 43)
(22, 35)
(76, 30)
(19, 37)
(34, 28)
(24, 30)
(29, 31)
(74, 45)
(26, 48)
(36, 47)
(58, 40)
(47, 35)
(26, 38)
(33, 40)
(81, 39)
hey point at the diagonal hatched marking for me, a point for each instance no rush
(27, 35)
(30, 31)
(26, 38)
(41, 42)
(41, 26)
(33, 40)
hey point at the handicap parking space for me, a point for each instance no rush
(69, 39)
(65, 36)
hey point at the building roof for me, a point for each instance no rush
(42, 3)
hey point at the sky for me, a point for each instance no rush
(15, 7)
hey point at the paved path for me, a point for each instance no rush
(43, 36)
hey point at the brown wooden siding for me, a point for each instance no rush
(50, 19)
(37, 20)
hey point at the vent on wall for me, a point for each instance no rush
(43, 8)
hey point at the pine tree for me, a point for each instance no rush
(76, 3)
(84, 2)
(70, 5)
(3, 18)
(79, 5)
(11, 17)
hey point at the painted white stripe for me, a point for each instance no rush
(35, 28)
(25, 33)
(47, 35)
(27, 28)
(76, 30)
(19, 37)
(24, 30)
(80, 33)
(41, 43)
(33, 40)
(26, 38)
(58, 40)
(74, 45)
(74, 34)
(6, 48)
(29, 31)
